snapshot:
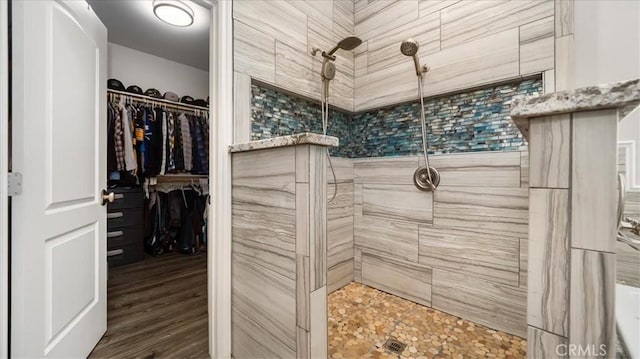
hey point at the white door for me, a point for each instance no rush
(58, 287)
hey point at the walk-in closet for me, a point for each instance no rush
(157, 155)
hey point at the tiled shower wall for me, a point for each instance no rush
(462, 250)
(273, 42)
(470, 121)
(465, 44)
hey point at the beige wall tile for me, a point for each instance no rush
(254, 53)
(481, 61)
(397, 202)
(319, 323)
(550, 148)
(498, 211)
(524, 169)
(340, 275)
(594, 194)
(490, 257)
(592, 299)
(480, 169)
(407, 280)
(565, 62)
(524, 262)
(276, 19)
(257, 317)
(241, 107)
(384, 17)
(430, 6)
(384, 50)
(385, 170)
(537, 44)
(548, 286)
(387, 238)
(294, 70)
(541, 344)
(495, 305)
(466, 21)
(564, 17)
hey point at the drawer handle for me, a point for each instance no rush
(114, 215)
(119, 196)
(114, 234)
(115, 252)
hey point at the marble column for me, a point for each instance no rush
(572, 139)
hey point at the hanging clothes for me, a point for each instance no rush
(127, 134)
(185, 131)
(175, 222)
(150, 141)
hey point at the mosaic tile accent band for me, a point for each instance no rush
(471, 121)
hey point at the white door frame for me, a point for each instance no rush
(4, 169)
(220, 137)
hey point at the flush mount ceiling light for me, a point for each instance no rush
(173, 12)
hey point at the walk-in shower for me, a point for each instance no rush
(426, 178)
(327, 74)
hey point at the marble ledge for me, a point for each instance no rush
(612, 95)
(306, 138)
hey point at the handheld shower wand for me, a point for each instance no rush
(410, 48)
(327, 74)
(426, 178)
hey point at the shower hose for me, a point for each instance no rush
(325, 123)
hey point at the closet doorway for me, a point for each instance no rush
(158, 96)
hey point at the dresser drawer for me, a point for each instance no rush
(123, 236)
(126, 198)
(125, 254)
(124, 218)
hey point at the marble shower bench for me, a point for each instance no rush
(573, 200)
(279, 247)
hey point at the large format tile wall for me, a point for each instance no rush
(273, 42)
(273, 39)
(462, 250)
(340, 224)
(279, 259)
(464, 43)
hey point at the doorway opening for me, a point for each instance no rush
(157, 166)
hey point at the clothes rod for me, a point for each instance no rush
(152, 100)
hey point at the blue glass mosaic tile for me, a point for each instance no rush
(275, 113)
(465, 122)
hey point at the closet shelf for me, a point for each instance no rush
(165, 103)
(179, 177)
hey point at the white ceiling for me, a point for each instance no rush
(131, 23)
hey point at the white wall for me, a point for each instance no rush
(607, 41)
(607, 49)
(134, 67)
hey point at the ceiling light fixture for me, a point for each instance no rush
(173, 12)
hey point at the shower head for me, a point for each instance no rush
(410, 47)
(348, 43)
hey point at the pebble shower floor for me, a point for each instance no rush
(361, 319)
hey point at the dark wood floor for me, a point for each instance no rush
(157, 309)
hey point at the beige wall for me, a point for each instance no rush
(465, 44)
(273, 42)
(462, 251)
